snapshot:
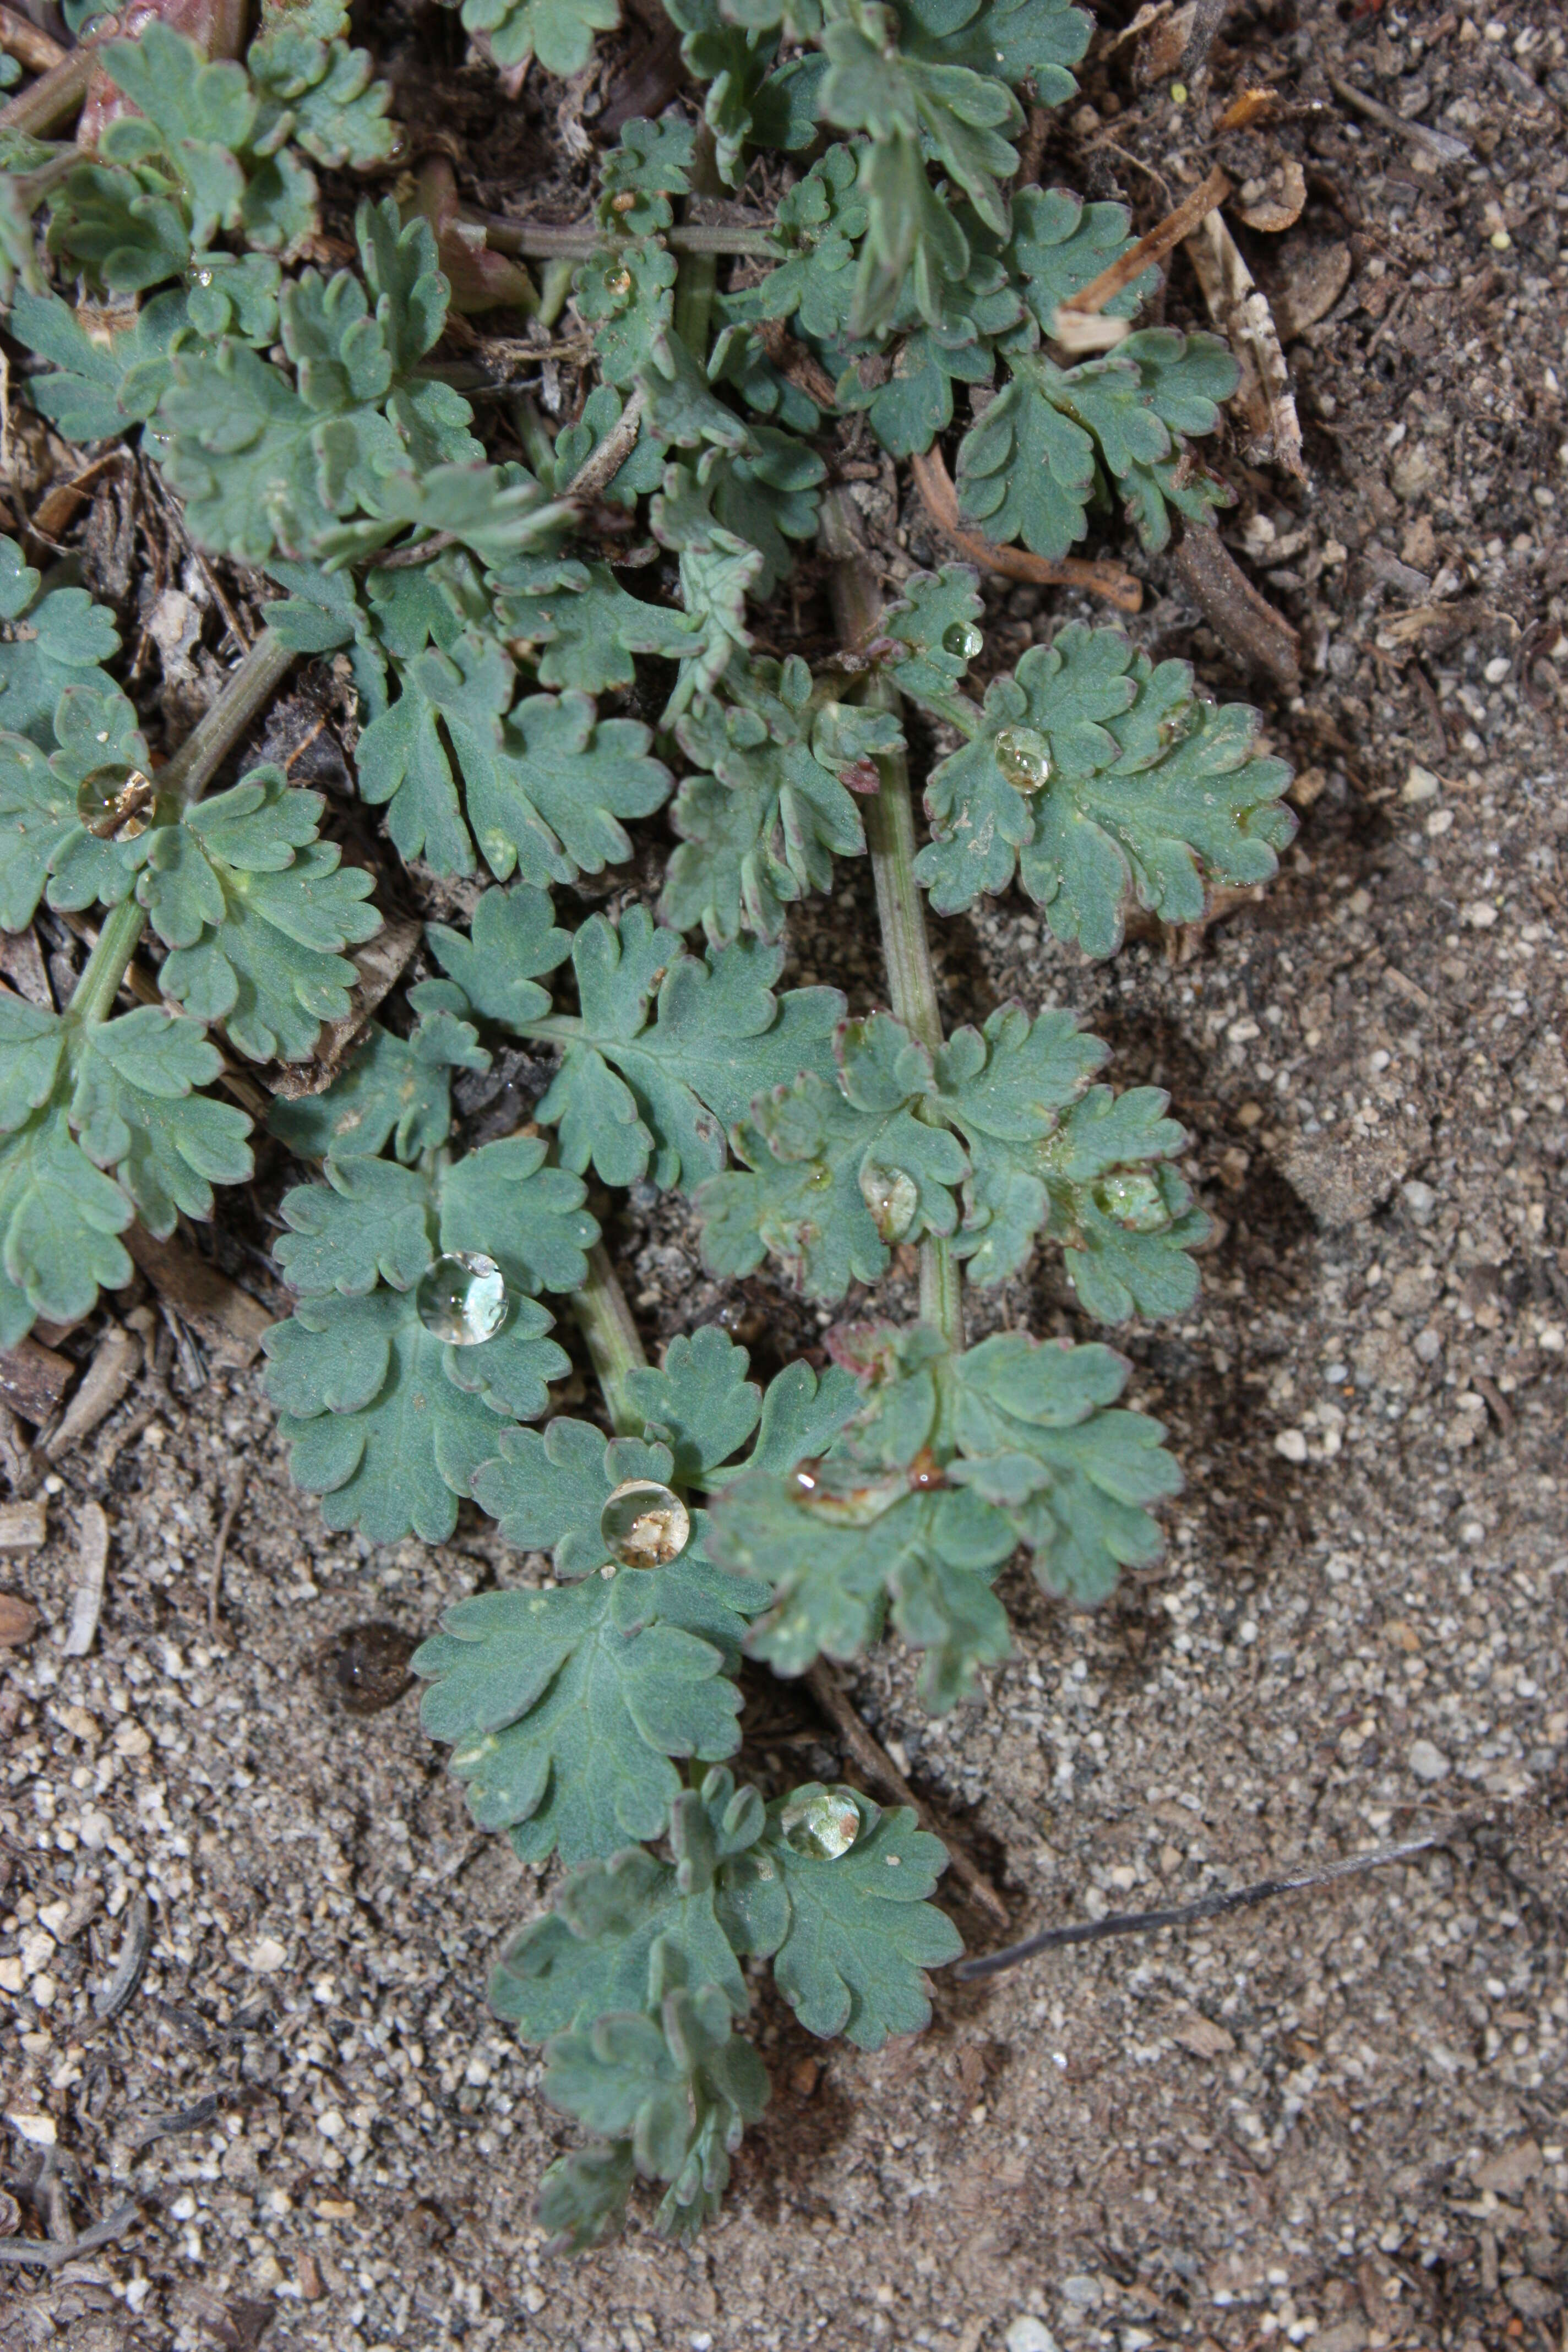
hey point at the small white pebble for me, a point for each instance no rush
(1292, 1445)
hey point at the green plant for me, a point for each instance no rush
(305, 423)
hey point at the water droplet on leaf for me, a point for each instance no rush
(617, 281)
(463, 1298)
(644, 1525)
(115, 804)
(892, 1196)
(1024, 758)
(963, 638)
(1135, 1202)
(821, 1822)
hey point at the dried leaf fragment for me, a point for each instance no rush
(114, 1366)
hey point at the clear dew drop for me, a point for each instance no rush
(963, 638)
(617, 281)
(821, 1822)
(1135, 1202)
(892, 1196)
(115, 804)
(644, 1525)
(463, 1298)
(1024, 758)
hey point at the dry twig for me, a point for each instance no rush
(1170, 233)
(220, 1548)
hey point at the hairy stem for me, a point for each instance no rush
(94, 994)
(890, 838)
(614, 1342)
(545, 241)
(699, 277)
(250, 688)
(246, 692)
(54, 97)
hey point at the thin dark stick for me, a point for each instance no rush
(220, 1548)
(878, 1765)
(1208, 1906)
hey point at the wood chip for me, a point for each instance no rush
(1312, 289)
(93, 1566)
(379, 963)
(18, 1620)
(115, 1364)
(23, 1527)
(1241, 309)
(33, 1380)
(227, 1321)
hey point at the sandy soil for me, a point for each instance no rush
(1338, 2119)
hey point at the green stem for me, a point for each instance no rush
(555, 284)
(956, 709)
(890, 838)
(544, 241)
(246, 692)
(187, 776)
(94, 994)
(605, 1321)
(699, 277)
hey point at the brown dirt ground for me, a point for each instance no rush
(1339, 2119)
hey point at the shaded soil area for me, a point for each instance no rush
(1341, 2119)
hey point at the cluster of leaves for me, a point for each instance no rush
(103, 1121)
(950, 1463)
(634, 1985)
(304, 424)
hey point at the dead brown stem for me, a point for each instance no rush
(940, 502)
(1160, 241)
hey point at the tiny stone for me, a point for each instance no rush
(1428, 1763)
(1420, 1200)
(1028, 2334)
(1080, 2291)
(1292, 1445)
